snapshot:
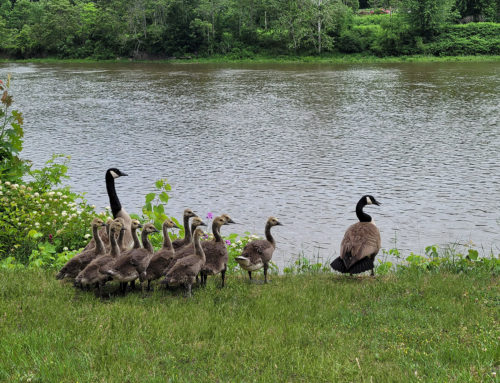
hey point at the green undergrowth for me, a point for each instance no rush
(283, 59)
(324, 327)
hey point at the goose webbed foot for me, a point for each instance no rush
(187, 293)
(223, 277)
(132, 285)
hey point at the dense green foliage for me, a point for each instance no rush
(404, 327)
(235, 28)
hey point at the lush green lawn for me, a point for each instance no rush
(313, 328)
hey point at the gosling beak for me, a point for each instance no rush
(279, 224)
(229, 221)
(140, 226)
(203, 224)
(175, 226)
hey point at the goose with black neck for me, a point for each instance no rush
(116, 209)
(361, 242)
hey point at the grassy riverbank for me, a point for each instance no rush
(327, 59)
(407, 326)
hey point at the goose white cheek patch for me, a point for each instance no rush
(114, 174)
(369, 201)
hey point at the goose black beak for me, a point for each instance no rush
(377, 203)
(123, 174)
(230, 221)
(140, 226)
(203, 224)
(175, 226)
(279, 224)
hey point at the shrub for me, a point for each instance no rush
(12, 168)
(467, 39)
(28, 218)
(359, 38)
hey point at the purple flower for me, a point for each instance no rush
(228, 242)
(210, 215)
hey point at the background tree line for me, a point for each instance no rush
(242, 28)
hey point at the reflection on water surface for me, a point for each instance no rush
(302, 142)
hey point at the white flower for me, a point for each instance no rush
(30, 188)
(65, 248)
(1, 193)
(63, 213)
(86, 236)
(107, 208)
(50, 193)
(23, 187)
(92, 206)
(36, 194)
(59, 194)
(7, 183)
(15, 186)
(37, 224)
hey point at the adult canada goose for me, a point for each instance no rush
(185, 270)
(178, 243)
(189, 248)
(361, 242)
(94, 272)
(257, 253)
(215, 252)
(133, 263)
(162, 257)
(81, 260)
(116, 209)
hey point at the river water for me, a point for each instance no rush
(302, 142)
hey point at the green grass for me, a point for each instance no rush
(285, 59)
(406, 326)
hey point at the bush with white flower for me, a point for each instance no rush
(29, 218)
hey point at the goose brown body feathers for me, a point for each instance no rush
(161, 259)
(81, 260)
(185, 270)
(187, 249)
(361, 242)
(94, 272)
(215, 252)
(133, 263)
(258, 253)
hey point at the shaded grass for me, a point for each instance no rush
(324, 327)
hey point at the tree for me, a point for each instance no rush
(479, 9)
(426, 16)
